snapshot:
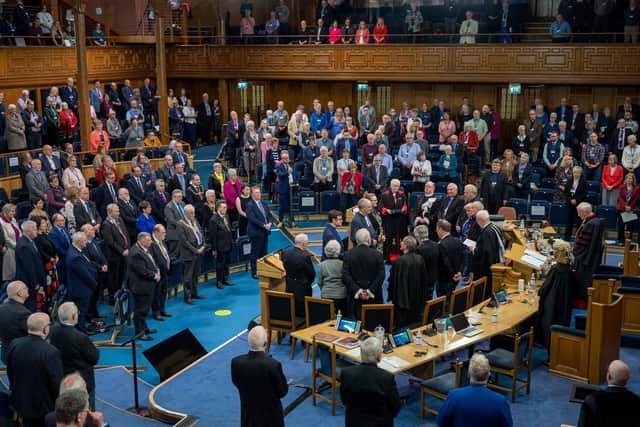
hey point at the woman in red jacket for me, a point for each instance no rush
(628, 194)
(469, 139)
(611, 180)
(68, 123)
(350, 187)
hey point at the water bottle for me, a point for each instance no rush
(338, 317)
(521, 286)
(379, 334)
(494, 316)
(532, 284)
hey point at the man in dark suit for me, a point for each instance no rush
(221, 241)
(173, 213)
(158, 200)
(205, 119)
(106, 193)
(286, 181)
(34, 368)
(61, 240)
(493, 189)
(489, 250)
(430, 253)
(563, 110)
(424, 211)
(235, 137)
(260, 382)
(588, 247)
(346, 142)
(376, 177)
(190, 250)
(13, 315)
(50, 163)
(179, 181)
(136, 186)
(618, 138)
(29, 265)
(363, 273)
(331, 231)
(94, 252)
(116, 248)
(321, 32)
(361, 220)
(142, 277)
(258, 229)
(69, 94)
(147, 93)
(575, 193)
(82, 278)
(576, 124)
(167, 170)
(369, 393)
(85, 211)
(613, 406)
(78, 353)
(300, 273)
(451, 259)
(179, 156)
(162, 258)
(475, 405)
(128, 214)
(451, 206)
(127, 94)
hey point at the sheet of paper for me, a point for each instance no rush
(528, 259)
(386, 366)
(471, 244)
(354, 353)
(13, 162)
(536, 255)
(395, 361)
(538, 210)
(628, 217)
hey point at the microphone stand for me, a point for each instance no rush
(136, 409)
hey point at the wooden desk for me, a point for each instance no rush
(509, 315)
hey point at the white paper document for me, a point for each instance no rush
(628, 217)
(471, 244)
(534, 262)
(392, 363)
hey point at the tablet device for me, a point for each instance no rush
(348, 325)
(401, 338)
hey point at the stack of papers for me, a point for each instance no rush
(392, 363)
(533, 258)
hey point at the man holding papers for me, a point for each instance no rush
(488, 250)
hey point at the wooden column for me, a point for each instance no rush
(223, 96)
(161, 79)
(54, 10)
(82, 80)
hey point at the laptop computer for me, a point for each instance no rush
(461, 325)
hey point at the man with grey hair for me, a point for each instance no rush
(173, 213)
(78, 352)
(394, 208)
(260, 382)
(190, 249)
(613, 406)
(369, 393)
(72, 409)
(34, 368)
(408, 288)
(475, 404)
(361, 220)
(116, 248)
(588, 247)
(363, 273)
(300, 273)
(82, 275)
(13, 315)
(330, 278)
(429, 251)
(489, 250)
(143, 277)
(29, 264)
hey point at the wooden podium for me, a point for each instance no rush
(585, 355)
(630, 263)
(271, 277)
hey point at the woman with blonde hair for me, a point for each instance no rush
(563, 173)
(73, 196)
(11, 233)
(557, 293)
(72, 175)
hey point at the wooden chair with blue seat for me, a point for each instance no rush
(316, 311)
(281, 317)
(328, 371)
(374, 315)
(506, 362)
(441, 385)
(434, 309)
(459, 300)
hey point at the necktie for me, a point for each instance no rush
(112, 191)
(226, 222)
(181, 180)
(163, 198)
(180, 158)
(447, 207)
(163, 251)
(179, 206)
(377, 174)
(262, 211)
(367, 221)
(124, 236)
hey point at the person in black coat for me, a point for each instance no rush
(13, 315)
(575, 192)
(521, 177)
(93, 251)
(493, 190)
(128, 214)
(158, 200)
(78, 353)
(450, 207)
(369, 393)
(300, 273)
(105, 193)
(451, 259)
(363, 273)
(260, 382)
(362, 220)
(142, 277)
(489, 250)
(137, 186)
(161, 256)
(588, 247)
(258, 229)
(205, 119)
(613, 406)
(82, 274)
(85, 211)
(116, 248)
(430, 252)
(221, 241)
(29, 265)
(34, 368)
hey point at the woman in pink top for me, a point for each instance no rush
(247, 24)
(232, 190)
(446, 128)
(362, 35)
(334, 33)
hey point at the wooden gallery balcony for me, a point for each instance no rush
(578, 64)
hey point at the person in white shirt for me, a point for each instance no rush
(46, 20)
(631, 156)
(468, 29)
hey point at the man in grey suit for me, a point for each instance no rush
(96, 95)
(36, 181)
(173, 213)
(376, 177)
(190, 249)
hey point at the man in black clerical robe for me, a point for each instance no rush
(489, 250)
(408, 284)
(394, 209)
(587, 248)
(556, 296)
